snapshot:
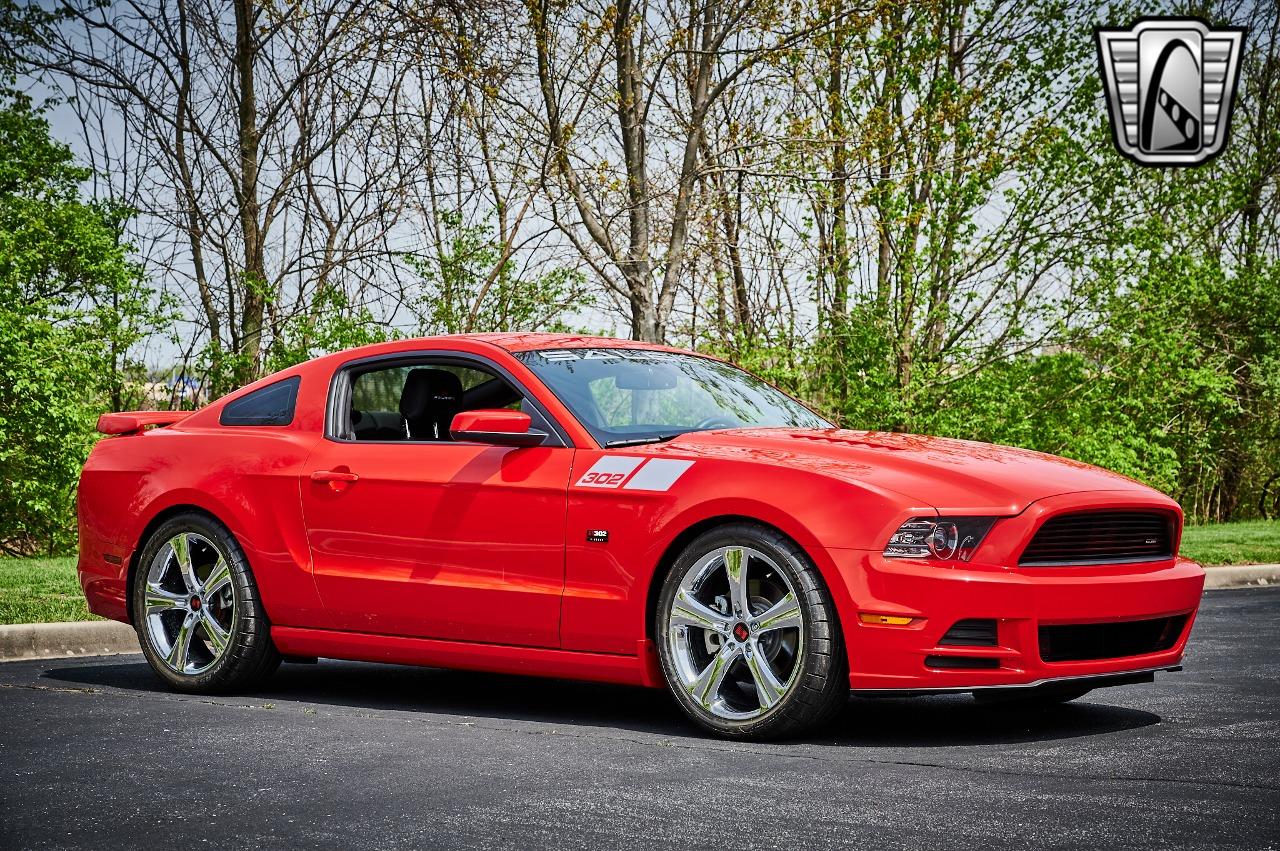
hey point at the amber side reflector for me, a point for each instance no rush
(883, 620)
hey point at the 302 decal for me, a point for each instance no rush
(627, 473)
(602, 480)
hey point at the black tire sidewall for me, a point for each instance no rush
(228, 671)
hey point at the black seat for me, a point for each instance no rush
(428, 403)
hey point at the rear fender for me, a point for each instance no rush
(247, 480)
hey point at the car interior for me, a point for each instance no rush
(417, 403)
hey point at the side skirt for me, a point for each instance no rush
(638, 670)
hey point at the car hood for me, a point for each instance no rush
(949, 475)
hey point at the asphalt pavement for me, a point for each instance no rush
(97, 753)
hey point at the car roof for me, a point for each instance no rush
(516, 341)
(512, 342)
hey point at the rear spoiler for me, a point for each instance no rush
(134, 422)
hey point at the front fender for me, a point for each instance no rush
(608, 584)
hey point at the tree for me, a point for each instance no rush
(1192, 335)
(626, 128)
(968, 178)
(262, 146)
(910, 214)
(70, 304)
(471, 286)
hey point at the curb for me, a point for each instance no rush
(1241, 576)
(78, 638)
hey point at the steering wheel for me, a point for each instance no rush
(717, 421)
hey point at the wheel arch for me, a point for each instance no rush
(140, 542)
(682, 539)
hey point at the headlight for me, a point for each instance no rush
(938, 538)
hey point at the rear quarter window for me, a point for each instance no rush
(272, 405)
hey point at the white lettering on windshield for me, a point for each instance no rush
(646, 355)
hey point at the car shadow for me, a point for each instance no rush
(933, 721)
(957, 719)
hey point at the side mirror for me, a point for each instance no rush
(500, 426)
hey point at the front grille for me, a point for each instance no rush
(974, 632)
(1082, 642)
(1101, 537)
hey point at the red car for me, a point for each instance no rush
(609, 510)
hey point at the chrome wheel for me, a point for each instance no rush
(735, 633)
(190, 603)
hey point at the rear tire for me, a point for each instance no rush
(197, 610)
(748, 636)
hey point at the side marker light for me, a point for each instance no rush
(883, 620)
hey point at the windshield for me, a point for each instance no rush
(634, 395)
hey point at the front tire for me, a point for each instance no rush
(748, 637)
(197, 609)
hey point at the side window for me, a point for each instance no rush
(271, 406)
(418, 401)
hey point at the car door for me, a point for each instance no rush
(414, 534)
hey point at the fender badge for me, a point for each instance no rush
(598, 536)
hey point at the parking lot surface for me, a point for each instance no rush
(96, 752)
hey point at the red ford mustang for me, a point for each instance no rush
(609, 510)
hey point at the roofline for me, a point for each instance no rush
(522, 342)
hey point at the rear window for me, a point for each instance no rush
(271, 406)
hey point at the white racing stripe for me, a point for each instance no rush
(657, 475)
(618, 471)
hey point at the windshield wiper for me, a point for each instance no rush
(640, 441)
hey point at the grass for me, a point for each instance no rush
(41, 590)
(46, 590)
(1250, 542)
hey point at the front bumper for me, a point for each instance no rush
(907, 657)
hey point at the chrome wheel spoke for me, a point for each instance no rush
(735, 565)
(181, 546)
(213, 631)
(706, 687)
(219, 578)
(734, 665)
(181, 649)
(768, 688)
(158, 601)
(784, 614)
(194, 642)
(686, 611)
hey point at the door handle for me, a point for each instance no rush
(333, 476)
(336, 479)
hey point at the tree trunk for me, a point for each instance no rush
(195, 226)
(732, 228)
(631, 129)
(839, 181)
(255, 274)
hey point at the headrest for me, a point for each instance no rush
(425, 389)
